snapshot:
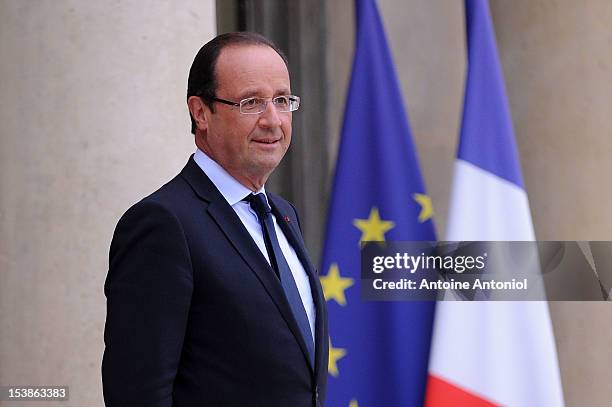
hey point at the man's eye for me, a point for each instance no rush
(251, 102)
(281, 100)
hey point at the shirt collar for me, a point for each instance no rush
(231, 189)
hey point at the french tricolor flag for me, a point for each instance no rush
(490, 353)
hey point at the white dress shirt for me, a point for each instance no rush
(234, 193)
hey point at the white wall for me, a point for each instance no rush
(92, 118)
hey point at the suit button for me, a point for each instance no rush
(316, 395)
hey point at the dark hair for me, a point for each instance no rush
(202, 80)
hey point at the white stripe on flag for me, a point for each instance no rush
(486, 207)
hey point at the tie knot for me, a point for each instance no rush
(259, 204)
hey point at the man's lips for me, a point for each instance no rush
(266, 141)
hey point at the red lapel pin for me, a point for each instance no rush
(286, 218)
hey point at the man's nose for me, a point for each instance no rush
(270, 117)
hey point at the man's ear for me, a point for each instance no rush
(199, 111)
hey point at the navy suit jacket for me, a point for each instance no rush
(195, 314)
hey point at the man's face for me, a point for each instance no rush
(249, 147)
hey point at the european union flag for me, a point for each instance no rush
(378, 350)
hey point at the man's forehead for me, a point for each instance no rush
(251, 66)
(249, 57)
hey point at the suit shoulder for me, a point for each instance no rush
(149, 229)
(165, 199)
(143, 218)
(171, 193)
(159, 208)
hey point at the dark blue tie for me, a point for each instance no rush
(279, 264)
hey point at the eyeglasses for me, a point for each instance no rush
(257, 105)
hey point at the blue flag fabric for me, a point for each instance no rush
(487, 136)
(378, 350)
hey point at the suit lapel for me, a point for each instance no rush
(231, 226)
(290, 228)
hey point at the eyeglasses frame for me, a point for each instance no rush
(267, 100)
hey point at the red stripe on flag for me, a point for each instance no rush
(441, 393)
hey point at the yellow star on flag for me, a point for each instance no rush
(335, 354)
(373, 229)
(334, 285)
(426, 207)
(353, 403)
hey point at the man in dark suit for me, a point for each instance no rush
(211, 297)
